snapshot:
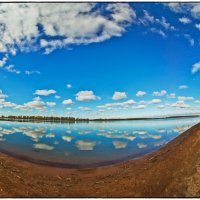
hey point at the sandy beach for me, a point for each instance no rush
(173, 171)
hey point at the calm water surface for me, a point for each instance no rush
(88, 144)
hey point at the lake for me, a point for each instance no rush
(78, 145)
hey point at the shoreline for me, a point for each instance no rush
(172, 171)
(74, 166)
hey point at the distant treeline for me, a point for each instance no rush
(145, 118)
(73, 119)
(42, 119)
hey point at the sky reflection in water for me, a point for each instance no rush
(85, 144)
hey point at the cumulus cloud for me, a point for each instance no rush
(196, 68)
(57, 97)
(20, 24)
(184, 20)
(140, 93)
(161, 106)
(183, 98)
(67, 102)
(192, 8)
(44, 92)
(7, 104)
(119, 95)
(140, 106)
(2, 95)
(86, 96)
(3, 61)
(172, 95)
(35, 104)
(197, 26)
(122, 104)
(69, 86)
(155, 101)
(84, 108)
(180, 104)
(51, 104)
(160, 93)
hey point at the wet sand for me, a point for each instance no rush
(173, 171)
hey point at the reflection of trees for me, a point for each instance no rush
(43, 118)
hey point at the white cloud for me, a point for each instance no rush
(155, 101)
(183, 87)
(161, 106)
(189, 38)
(176, 7)
(180, 104)
(51, 104)
(140, 106)
(37, 98)
(84, 108)
(2, 95)
(35, 104)
(3, 61)
(140, 93)
(192, 8)
(69, 86)
(28, 72)
(20, 32)
(67, 102)
(150, 19)
(172, 95)
(57, 97)
(123, 104)
(197, 26)
(44, 92)
(184, 20)
(196, 68)
(183, 98)
(161, 93)
(10, 68)
(7, 104)
(86, 96)
(158, 31)
(119, 95)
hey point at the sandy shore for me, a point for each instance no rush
(173, 171)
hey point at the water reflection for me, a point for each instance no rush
(89, 143)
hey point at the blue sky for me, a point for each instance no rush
(99, 60)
